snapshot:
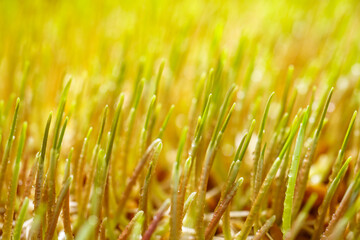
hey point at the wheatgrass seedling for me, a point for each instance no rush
(130, 125)
(209, 232)
(233, 172)
(79, 167)
(327, 199)
(36, 225)
(136, 231)
(174, 224)
(255, 178)
(20, 220)
(144, 195)
(266, 184)
(145, 130)
(60, 201)
(339, 212)
(209, 159)
(339, 160)
(66, 204)
(129, 228)
(40, 170)
(14, 182)
(156, 220)
(265, 228)
(165, 122)
(151, 154)
(301, 218)
(8, 146)
(87, 229)
(341, 225)
(93, 165)
(289, 195)
(188, 167)
(307, 162)
(174, 156)
(54, 154)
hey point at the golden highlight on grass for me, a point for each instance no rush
(179, 120)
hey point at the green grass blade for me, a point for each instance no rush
(319, 225)
(13, 187)
(289, 195)
(20, 219)
(8, 146)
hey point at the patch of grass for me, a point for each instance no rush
(179, 120)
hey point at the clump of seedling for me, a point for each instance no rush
(221, 139)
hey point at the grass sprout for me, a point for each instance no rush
(179, 120)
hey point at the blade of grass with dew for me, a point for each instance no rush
(66, 204)
(35, 230)
(130, 126)
(209, 158)
(240, 153)
(319, 224)
(233, 172)
(20, 219)
(189, 163)
(278, 196)
(40, 171)
(151, 154)
(29, 181)
(289, 195)
(125, 234)
(166, 121)
(340, 211)
(341, 225)
(187, 217)
(307, 162)
(153, 116)
(319, 111)
(158, 77)
(265, 228)
(79, 171)
(259, 176)
(144, 131)
(98, 200)
(144, 195)
(224, 108)
(53, 221)
(211, 228)
(255, 184)
(263, 190)
(94, 159)
(10, 206)
(242, 235)
(337, 165)
(301, 218)
(113, 131)
(62, 133)
(352, 192)
(195, 105)
(8, 146)
(51, 180)
(175, 226)
(98, 184)
(280, 188)
(156, 220)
